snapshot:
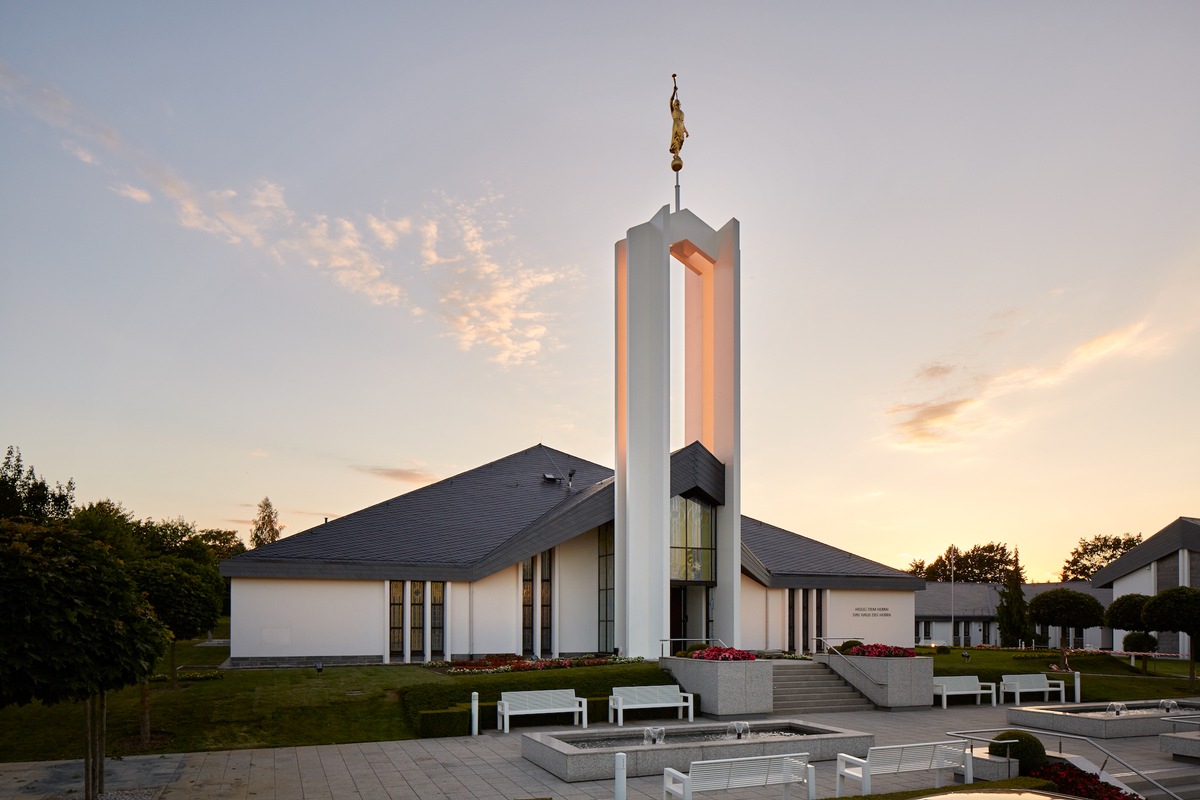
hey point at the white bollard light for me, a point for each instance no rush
(474, 713)
(619, 790)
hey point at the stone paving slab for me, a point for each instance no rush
(487, 767)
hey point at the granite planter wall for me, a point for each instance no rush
(896, 684)
(728, 689)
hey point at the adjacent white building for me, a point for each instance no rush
(1167, 559)
(964, 615)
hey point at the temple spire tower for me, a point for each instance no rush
(696, 594)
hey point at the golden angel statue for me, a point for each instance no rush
(678, 131)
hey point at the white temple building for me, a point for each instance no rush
(543, 553)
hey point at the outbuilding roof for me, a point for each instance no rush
(978, 601)
(471, 525)
(1182, 534)
(796, 561)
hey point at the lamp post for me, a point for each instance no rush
(953, 552)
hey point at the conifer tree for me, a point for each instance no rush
(1012, 612)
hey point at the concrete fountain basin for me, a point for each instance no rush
(573, 755)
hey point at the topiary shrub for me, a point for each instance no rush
(1027, 749)
(847, 645)
(942, 650)
(1139, 642)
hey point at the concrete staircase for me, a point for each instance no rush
(1183, 781)
(806, 687)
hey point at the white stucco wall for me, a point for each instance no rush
(1139, 581)
(280, 618)
(495, 603)
(458, 622)
(870, 616)
(763, 617)
(577, 587)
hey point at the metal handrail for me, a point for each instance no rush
(1108, 754)
(831, 649)
(1189, 719)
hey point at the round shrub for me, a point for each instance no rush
(1139, 642)
(848, 644)
(1027, 749)
(942, 650)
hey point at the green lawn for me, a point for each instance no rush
(1105, 678)
(284, 707)
(275, 707)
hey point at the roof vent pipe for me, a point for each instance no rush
(570, 475)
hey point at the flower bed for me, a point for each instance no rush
(1071, 780)
(881, 651)
(715, 653)
(510, 662)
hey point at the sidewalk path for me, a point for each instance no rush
(487, 767)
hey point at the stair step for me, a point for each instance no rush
(811, 688)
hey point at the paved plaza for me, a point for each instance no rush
(486, 767)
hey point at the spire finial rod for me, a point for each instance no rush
(678, 134)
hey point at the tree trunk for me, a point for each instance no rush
(89, 755)
(174, 672)
(93, 754)
(144, 715)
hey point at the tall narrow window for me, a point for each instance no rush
(820, 593)
(437, 620)
(791, 623)
(805, 626)
(527, 607)
(693, 541)
(416, 621)
(606, 580)
(547, 602)
(396, 620)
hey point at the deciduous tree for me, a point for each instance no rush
(266, 528)
(1125, 613)
(1066, 609)
(27, 497)
(1176, 610)
(1096, 553)
(983, 563)
(80, 629)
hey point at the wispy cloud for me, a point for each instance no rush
(481, 299)
(461, 258)
(967, 406)
(80, 152)
(133, 193)
(400, 474)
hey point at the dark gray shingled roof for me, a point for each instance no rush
(797, 561)
(483, 520)
(979, 600)
(438, 532)
(1182, 534)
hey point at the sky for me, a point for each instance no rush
(329, 253)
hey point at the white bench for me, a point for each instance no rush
(963, 684)
(735, 773)
(935, 756)
(545, 701)
(1031, 682)
(624, 698)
